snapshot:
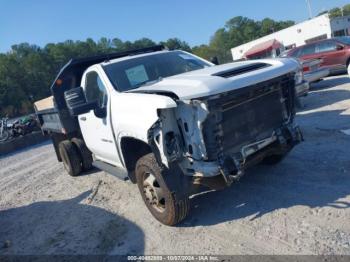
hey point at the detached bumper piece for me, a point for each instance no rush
(284, 139)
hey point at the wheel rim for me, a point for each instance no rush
(154, 194)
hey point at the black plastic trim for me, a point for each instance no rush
(241, 70)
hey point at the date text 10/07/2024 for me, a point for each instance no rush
(172, 258)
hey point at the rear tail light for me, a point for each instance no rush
(306, 69)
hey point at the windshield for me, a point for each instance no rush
(344, 39)
(133, 73)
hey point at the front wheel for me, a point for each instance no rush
(162, 203)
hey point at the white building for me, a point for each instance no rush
(318, 28)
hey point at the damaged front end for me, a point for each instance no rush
(214, 139)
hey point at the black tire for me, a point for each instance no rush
(273, 159)
(70, 157)
(173, 210)
(85, 154)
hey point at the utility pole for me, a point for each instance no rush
(309, 8)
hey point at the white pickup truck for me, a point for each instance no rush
(178, 124)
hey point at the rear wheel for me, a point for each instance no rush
(162, 203)
(70, 157)
(85, 154)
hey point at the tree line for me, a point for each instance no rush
(27, 71)
(337, 11)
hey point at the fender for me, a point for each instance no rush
(172, 174)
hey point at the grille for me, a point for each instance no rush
(245, 116)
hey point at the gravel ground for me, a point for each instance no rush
(300, 206)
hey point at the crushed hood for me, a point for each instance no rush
(222, 78)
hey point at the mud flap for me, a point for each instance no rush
(180, 185)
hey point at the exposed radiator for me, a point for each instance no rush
(247, 115)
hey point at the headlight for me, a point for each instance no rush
(299, 77)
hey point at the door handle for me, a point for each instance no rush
(83, 118)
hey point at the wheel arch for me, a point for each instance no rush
(133, 149)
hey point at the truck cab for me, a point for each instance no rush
(177, 124)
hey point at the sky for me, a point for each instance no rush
(194, 21)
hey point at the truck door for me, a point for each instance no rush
(96, 125)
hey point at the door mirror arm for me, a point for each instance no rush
(100, 112)
(340, 47)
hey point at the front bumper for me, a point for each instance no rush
(281, 142)
(232, 168)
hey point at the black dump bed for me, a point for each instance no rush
(52, 112)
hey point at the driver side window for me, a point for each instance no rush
(326, 46)
(307, 50)
(95, 89)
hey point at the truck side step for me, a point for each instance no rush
(113, 170)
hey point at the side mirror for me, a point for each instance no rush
(214, 60)
(340, 47)
(76, 102)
